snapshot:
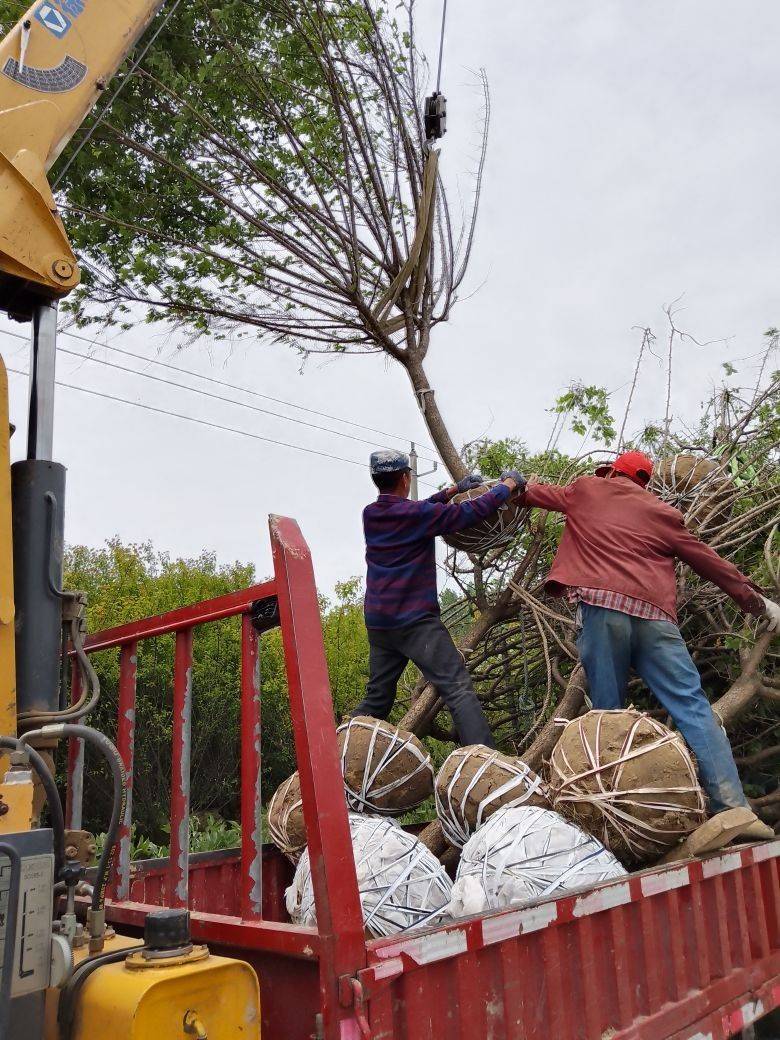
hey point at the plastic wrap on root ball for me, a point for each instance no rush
(402, 884)
(526, 854)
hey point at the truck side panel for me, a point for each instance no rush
(690, 951)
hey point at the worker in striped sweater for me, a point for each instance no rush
(402, 603)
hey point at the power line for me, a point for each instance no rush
(193, 419)
(206, 393)
(200, 422)
(231, 386)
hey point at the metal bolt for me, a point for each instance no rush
(71, 852)
(62, 269)
(4, 808)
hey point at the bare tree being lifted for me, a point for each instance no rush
(315, 212)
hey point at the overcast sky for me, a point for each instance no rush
(634, 156)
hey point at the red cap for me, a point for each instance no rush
(633, 464)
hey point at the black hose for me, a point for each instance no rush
(88, 699)
(9, 950)
(38, 763)
(72, 988)
(112, 756)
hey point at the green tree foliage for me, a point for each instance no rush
(126, 582)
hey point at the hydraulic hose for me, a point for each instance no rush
(69, 995)
(88, 699)
(43, 772)
(119, 778)
(9, 949)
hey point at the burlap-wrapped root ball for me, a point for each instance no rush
(402, 884)
(492, 532)
(525, 854)
(285, 818)
(386, 770)
(698, 486)
(628, 780)
(476, 782)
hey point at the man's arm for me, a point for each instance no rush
(701, 558)
(548, 496)
(447, 519)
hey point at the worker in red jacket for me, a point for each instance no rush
(616, 560)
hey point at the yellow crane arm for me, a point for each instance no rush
(54, 64)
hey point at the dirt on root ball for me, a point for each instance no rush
(467, 787)
(628, 780)
(285, 818)
(386, 770)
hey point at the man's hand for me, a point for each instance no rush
(515, 479)
(772, 613)
(473, 480)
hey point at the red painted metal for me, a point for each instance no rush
(251, 791)
(75, 790)
(178, 873)
(182, 618)
(684, 952)
(339, 915)
(128, 667)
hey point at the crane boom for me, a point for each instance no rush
(54, 64)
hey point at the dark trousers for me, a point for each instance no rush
(429, 645)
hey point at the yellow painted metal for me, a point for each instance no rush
(54, 65)
(18, 798)
(149, 1004)
(113, 942)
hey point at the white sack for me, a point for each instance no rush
(526, 854)
(402, 884)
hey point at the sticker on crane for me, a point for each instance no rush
(55, 21)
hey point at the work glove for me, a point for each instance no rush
(517, 476)
(772, 612)
(473, 480)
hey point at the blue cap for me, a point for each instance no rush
(386, 461)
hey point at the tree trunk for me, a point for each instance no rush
(746, 688)
(426, 401)
(567, 708)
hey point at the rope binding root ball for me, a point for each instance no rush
(627, 779)
(386, 769)
(285, 818)
(526, 854)
(476, 782)
(495, 531)
(401, 883)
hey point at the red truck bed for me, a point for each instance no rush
(690, 952)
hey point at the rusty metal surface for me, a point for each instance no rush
(251, 786)
(181, 748)
(128, 668)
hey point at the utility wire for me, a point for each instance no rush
(203, 422)
(109, 103)
(230, 386)
(209, 394)
(190, 418)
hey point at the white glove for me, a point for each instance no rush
(772, 612)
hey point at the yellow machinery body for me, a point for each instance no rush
(196, 996)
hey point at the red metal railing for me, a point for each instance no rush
(290, 601)
(182, 623)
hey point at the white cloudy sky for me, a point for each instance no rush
(634, 156)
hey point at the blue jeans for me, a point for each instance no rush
(611, 642)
